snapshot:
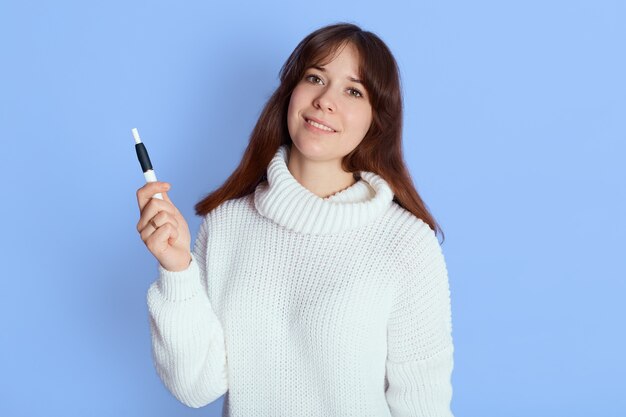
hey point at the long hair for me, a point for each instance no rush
(379, 152)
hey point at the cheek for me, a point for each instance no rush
(369, 119)
(361, 119)
(296, 94)
(292, 108)
(294, 104)
(292, 112)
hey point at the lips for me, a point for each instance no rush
(320, 122)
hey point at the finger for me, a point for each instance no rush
(165, 196)
(172, 240)
(150, 210)
(145, 193)
(149, 231)
(156, 213)
(157, 242)
(146, 232)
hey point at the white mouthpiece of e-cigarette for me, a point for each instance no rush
(136, 135)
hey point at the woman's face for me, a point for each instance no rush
(330, 96)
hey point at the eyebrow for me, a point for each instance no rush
(356, 80)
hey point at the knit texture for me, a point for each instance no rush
(297, 305)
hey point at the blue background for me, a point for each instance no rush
(514, 135)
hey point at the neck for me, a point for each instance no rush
(322, 178)
(288, 203)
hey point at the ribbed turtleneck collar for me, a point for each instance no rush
(285, 201)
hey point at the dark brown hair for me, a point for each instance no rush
(379, 152)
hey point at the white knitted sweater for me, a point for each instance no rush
(300, 306)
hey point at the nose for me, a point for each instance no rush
(325, 101)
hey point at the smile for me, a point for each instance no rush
(319, 126)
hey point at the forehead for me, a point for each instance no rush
(346, 54)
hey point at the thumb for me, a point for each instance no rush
(165, 196)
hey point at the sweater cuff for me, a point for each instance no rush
(180, 285)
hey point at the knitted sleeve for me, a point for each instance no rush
(419, 333)
(187, 338)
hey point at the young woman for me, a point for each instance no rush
(316, 285)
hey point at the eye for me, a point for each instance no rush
(353, 91)
(313, 76)
(356, 91)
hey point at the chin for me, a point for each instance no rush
(310, 149)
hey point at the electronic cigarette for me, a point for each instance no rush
(144, 160)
